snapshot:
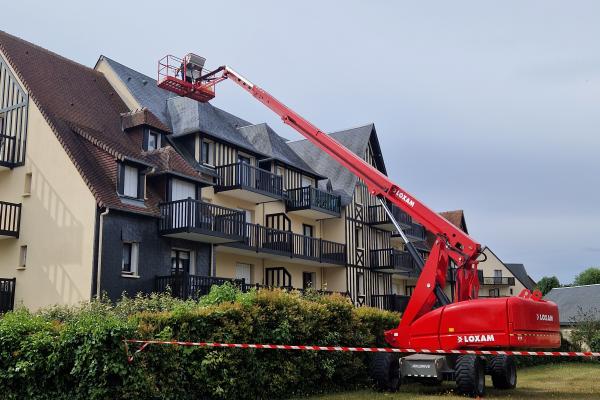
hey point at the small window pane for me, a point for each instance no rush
(152, 141)
(126, 264)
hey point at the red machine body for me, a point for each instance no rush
(525, 321)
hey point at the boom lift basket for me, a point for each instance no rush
(184, 77)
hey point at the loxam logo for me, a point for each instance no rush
(406, 199)
(476, 339)
(545, 317)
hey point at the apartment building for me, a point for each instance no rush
(111, 185)
(307, 221)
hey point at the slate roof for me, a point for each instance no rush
(84, 112)
(571, 300)
(186, 116)
(342, 180)
(265, 140)
(519, 271)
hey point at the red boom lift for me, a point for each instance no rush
(430, 319)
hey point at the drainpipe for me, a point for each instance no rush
(99, 266)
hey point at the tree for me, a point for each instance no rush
(547, 283)
(590, 276)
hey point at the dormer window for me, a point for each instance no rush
(131, 181)
(207, 152)
(152, 141)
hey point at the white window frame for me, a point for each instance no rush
(134, 255)
(128, 173)
(158, 140)
(211, 152)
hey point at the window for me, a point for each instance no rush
(307, 230)
(207, 152)
(131, 182)
(306, 181)
(511, 291)
(410, 290)
(360, 282)
(27, 188)
(244, 271)
(309, 280)
(23, 257)
(129, 259)
(498, 276)
(494, 292)
(359, 237)
(153, 141)
(180, 262)
(244, 159)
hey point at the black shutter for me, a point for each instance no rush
(141, 184)
(120, 178)
(145, 140)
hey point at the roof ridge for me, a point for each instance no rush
(46, 51)
(577, 286)
(340, 131)
(125, 66)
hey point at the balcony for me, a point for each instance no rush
(414, 233)
(391, 260)
(247, 182)
(287, 245)
(312, 203)
(378, 218)
(195, 220)
(10, 220)
(185, 286)
(390, 302)
(496, 281)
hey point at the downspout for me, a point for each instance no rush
(99, 266)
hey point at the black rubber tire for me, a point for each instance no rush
(470, 375)
(385, 371)
(504, 372)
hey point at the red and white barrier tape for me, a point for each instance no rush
(145, 343)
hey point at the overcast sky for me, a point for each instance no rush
(488, 106)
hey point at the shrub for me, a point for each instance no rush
(77, 352)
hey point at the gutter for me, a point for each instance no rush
(99, 265)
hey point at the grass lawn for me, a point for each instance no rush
(561, 381)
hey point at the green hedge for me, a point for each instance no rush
(77, 352)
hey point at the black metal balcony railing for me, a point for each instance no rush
(390, 302)
(194, 215)
(376, 215)
(7, 294)
(290, 244)
(415, 232)
(242, 175)
(185, 286)
(497, 280)
(312, 198)
(10, 219)
(391, 259)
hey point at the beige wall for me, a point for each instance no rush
(329, 278)
(117, 84)
(492, 263)
(57, 223)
